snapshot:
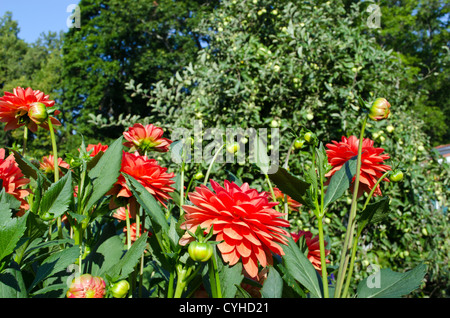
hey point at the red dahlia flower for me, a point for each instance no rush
(12, 180)
(146, 138)
(372, 161)
(313, 248)
(48, 164)
(87, 286)
(243, 218)
(96, 149)
(22, 108)
(148, 173)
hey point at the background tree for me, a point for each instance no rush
(119, 40)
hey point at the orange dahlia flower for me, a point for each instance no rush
(15, 109)
(96, 149)
(146, 138)
(244, 222)
(148, 173)
(12, 179)
(313, 248)
(87, 286)
(372, 161)
(48, 164)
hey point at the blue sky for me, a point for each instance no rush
(37, 16)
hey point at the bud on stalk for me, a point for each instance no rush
(38, 113)
(379, 109)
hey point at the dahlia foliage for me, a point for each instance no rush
(118, 220)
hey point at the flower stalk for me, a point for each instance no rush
(345, 253)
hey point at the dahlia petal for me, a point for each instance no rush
(250, 265)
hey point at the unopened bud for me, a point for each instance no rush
(379, 109)
(120, 289)
(38, 113)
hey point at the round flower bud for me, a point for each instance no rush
(379, 109)
(199, 176)
(298, 143)
(120, 289)
(390, 128)
(396, 176)
(200, 252)
(38, 112)
(233, 148)
(309, 137)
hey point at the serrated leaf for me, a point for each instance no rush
(273, 285)
(11, 231)
(57, 198)
(375, 212)
(340, 182)
(301, 269)
(106, 172)
(55, 263)
(389, 284)
(148, 202)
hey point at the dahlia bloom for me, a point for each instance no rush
(20, 108)
(96, 149)
(313, 248)
(147, 172)
(12, 179)
(87, 286)
(372, 162)
(279, 196)
(146, 138)
(244, 222)
(48, 164)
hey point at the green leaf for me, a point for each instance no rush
(55, 263)
(230, 277)
(11, 231)
(105, 256)
(57, 198)
(12, 284)
(29, 169)
(375, 212)
(389, 284)
(340, 182)
(301, 269)
(149, 203)
(273, 285)
(106, 172)
(291, 185)
(126, 264)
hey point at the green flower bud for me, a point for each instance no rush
(200, 252)
(298, 143)
(379, 109)
(120, 289)
(38, 113)
(233, 148)
(309, 137)
(199, 176)
(396, 176)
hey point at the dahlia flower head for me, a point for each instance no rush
(87, 286)
(243, 220)
(96, 149)
(16, 109)
(146, 138)
(48, 164)
(149, 174)
(12, 180)
(372, 162)
(313, 245)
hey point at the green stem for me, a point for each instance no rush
(25, 139)
(214, 277)
(355, 243)
(182, 186)
(56, 169)
(211, 164)
(170, 290)
(128, 228)
(323, 260)
(272, 192)
(352, 220)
